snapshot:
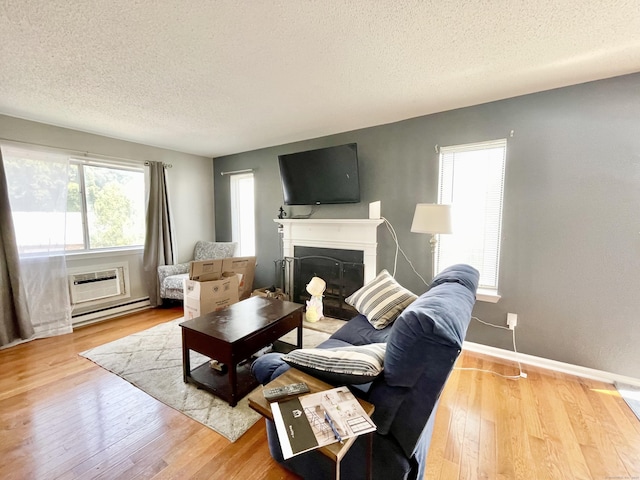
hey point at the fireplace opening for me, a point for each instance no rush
(342, 270)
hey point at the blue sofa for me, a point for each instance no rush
(422, 346)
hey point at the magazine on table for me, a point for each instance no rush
(319, 419)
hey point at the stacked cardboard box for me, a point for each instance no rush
(215, 284)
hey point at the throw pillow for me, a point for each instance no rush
(381, 300)
(343, 365)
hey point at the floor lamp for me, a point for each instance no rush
(432, 218)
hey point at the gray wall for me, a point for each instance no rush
(190, 183)
(571, 228)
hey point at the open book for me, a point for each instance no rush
(319, 419)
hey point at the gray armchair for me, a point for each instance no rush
(171, 276)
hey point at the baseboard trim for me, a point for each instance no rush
(577, 370)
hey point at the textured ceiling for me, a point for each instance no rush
(220, 77)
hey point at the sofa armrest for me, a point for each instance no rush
(165, 271)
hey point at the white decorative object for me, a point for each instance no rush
(315, 288)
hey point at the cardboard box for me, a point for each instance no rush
(245, 266)
(205, 297)
(206, 270)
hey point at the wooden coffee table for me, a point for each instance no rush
(232, 335)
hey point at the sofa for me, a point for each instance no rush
(422, 345)
(171, 277)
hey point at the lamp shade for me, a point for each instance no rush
(432, 218)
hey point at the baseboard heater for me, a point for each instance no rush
(105, 313)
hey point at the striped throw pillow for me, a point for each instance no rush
(342, 365)
(381, 300)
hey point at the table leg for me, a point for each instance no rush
(369, 455)
(338, 469)
(300, 336)
(186, 361)
(233, 380)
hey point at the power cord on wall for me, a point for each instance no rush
(398, 249)
(513, 331)
(308, 215)
(515, 350)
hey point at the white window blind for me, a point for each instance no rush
(472, 181)
(243, 225)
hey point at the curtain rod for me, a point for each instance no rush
(247, 170)
(165, 165)
(73, 151)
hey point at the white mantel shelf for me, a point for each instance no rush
(340, 233)
(348, 221)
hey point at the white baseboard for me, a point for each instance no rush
(541, 362)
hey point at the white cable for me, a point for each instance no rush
(394, 236)
(513, 337)
(395, 239)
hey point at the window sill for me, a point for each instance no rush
(486, 295)
(108, 252)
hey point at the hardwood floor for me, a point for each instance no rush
(61, 416)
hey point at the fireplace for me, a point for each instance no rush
(342, 270)
(343, 249)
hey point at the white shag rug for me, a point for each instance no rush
(152, 361)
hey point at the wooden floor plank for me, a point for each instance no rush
(61, 416)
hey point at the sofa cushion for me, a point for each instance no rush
(352, 364)
(175, 282)
(208, 250)
(381, 300)
(358, 331)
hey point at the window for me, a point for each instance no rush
(243, 228)
(104, 205)
(472, 181)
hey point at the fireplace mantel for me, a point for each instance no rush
(341, 233)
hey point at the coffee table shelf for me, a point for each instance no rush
(208, 379)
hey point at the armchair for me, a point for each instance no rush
(422, 346)
(170, 277)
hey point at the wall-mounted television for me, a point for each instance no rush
(322, 176)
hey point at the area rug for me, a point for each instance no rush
(631, 395)
(326, 324)
(152, 361)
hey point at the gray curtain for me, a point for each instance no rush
(15, 323)
(159, 238)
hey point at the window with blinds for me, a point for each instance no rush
(472, 181)
(243, 227)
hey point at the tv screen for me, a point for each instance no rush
(322, 176)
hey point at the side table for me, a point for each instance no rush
(335, 451)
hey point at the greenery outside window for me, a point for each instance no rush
(105, 204)
(109, 201)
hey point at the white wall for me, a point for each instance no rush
(190, 183)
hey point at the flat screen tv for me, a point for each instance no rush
(322, 176)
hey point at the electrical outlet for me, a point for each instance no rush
(512, 320)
